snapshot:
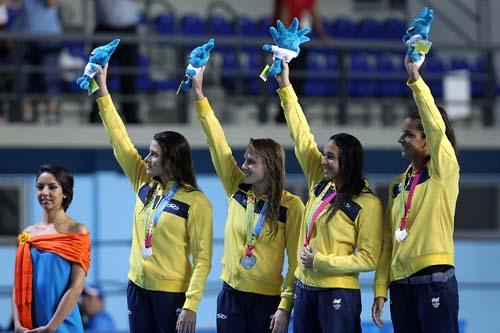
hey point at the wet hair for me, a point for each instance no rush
(414, 115)
(64, 177)
(350, 169)
(272, 155)
(176, 159)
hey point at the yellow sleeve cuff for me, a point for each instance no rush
(380, 290)
(418, 86)
(286, 304)
(287, 92)
(320, 261)
(202, 106)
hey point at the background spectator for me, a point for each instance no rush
(94, 315)
(120, 17)
(40, 17)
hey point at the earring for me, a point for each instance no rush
(64, 196)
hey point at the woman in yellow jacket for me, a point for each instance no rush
(417, 260)
(172, 227)
(341, 234)
(263, 222)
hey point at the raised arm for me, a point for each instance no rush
(369, 243)
(306, 149)
(222, 157)
(125, 152)
(443, 157)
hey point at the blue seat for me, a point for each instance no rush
(230, 63)
(360, 87)
(220, 25)
(142, 81)
(389, 87)
(252, 64)
(479, 86)
(458, 62)
(343, 28)
(263, 25)
(13, 14)
(314, 86)
(193, 24)
(369, 28)
(164, 24)
(435, 65)
(247, 27)
(393, 29)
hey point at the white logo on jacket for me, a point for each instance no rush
(435, 302)
(337, 303)
(173, 206)
(221, 316)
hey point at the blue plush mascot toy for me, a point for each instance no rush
(417, 35)
(287, 46)
(197, 59)
(99, 56)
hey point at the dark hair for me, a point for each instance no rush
(273, 159)
(64, 177)
(450, 132)
(176, 158)
(350, 169)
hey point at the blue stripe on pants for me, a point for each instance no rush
(153, 311)
(429, 308)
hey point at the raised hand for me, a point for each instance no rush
(288, 41)
(418, 30)
(197, 59)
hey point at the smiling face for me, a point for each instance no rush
(154, 161)
(49, 191)
(412, 140)
(330, 161)
(253, 168)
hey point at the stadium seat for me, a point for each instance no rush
(393, 29)
(343, 28)
(369, 28)
(230, 63)
(193, 24)
(389, 87)
(142, 82)
(220, 25)
(434, 65)
(247, 27)
(479, 86)
(360, 87)
(164, 24)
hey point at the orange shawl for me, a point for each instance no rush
(72, 247)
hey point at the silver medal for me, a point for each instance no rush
(400, 235)
(146, 252)
(248, 262)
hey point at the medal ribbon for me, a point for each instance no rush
(406, 206)
(164, 201)
(251, 238)
(316, 213)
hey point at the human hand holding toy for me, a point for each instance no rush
(98, 57)
(417, 35)
(287, 46)
(197, 59)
